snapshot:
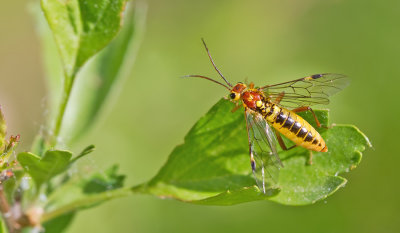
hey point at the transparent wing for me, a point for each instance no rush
(264, 159)
(307, 91)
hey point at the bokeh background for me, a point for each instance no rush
(264, 41)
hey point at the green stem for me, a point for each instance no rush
(68, 83)
(89, 201)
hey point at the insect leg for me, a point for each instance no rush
(251, 85)
(307, 108)
(236, 108)
(310, 158)
(279, 98)
(281, 142)
(284, 147)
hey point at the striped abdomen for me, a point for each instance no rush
(293, 127)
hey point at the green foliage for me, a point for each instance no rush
(3, 130)
(42, 169)
(6, 146)
(89, 149)
(3, 227)
(11, 185)
(81, 28)
(212, 166)
(59, 224)
(85, 192)
(100, 80)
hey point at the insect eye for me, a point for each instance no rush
(232, 95)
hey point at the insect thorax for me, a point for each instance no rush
(267, 109)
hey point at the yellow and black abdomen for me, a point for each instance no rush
(295, 128)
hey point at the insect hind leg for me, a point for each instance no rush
(281, 142)
(310, 158)
(307, 108)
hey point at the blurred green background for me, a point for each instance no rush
(264, 41)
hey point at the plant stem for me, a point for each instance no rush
(8, 216)
(68, 83)
(87, 202)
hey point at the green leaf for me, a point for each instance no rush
(53, 70)
(39, 145)
(89, 149)
(8, 150)
(81, 28)
(100, 81)
(6, 147)
(82, 193)
(43, 169)
(3, 226)
(97, 82)
(102, 182)
(212, 166)
(3, 130)
(59, 224)
(11, 185)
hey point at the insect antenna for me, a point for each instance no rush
(201, 76)
(215, 67)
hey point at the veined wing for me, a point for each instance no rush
(264, 158)
(307, 91)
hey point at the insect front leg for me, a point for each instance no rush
(236, 107)
(307, 108)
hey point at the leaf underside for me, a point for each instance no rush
(212, 166)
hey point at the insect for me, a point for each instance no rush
(277, 105)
